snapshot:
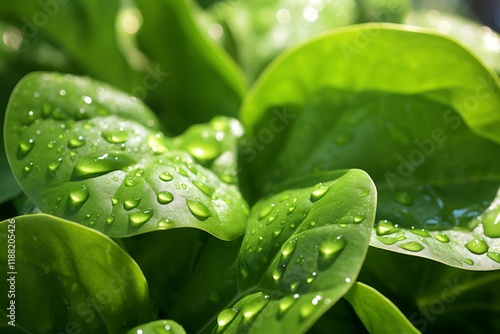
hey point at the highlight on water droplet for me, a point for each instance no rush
(140, 217)
(164, 197)
(166, 177)
(53, 166)
(491, 222)
(477, 246)
(110, 219)
(278, 272)
(318, 192)
(157, 143)
(468, 261)
(285, 304)
(28, 167)
(494, 256)
(96, 165)
(288, 248)
(198, 209)
(412, 246)
(254, 306)
(329, 250)
(78, 196)
(442, 237)
(420, 232)
(385, 227)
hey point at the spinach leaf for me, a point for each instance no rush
(86, 152)
(302, 250)
(67, 277)
(377, 312)
(429, 142)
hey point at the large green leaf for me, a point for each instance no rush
(202, 81)
(86, 152)
(62, 276)
(302, 250)
(430, 142)
(377, 312)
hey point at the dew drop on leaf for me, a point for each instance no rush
(198, 209)
(318, 192)
(285, 304)
(329, 250)
(420, 232)
(53, 166)
(165, 223)
(388, 240)
(292, 208)
(442, 237)
(93, 166)
(385, 227)
(76, 142)
(306, 311)
(266, 211)
(278, 272)
(253, 307)
(468, 261)
(78, 196)
(28, 167)
(358, 219)
(131, 203)
(166, 177)
(25, 147)
(277, 231)
(477, 246)
(412, 246)
(491, 223)
(204, 188)
(288, 248)
(164, 197)
(110, 219)
(157, 143)
(139, 218)
(226, 316)
(494, 256)
(115, 137)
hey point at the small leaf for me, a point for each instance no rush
(378, 313)
(86, 152)
(65, 275)
(299, 255)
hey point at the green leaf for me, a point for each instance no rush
(202, 80)
(67, 277)
(377, 312)
(302, 250)
(86, 152)
(77, 29)
(417, 134)
(158, 327)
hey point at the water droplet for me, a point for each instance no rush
(358, 219)
(131, 203)
(294, 286)
(54, 165)
(311, 278)
(78, 196)
(115, 137)
(28, 167)
(93, 166)
(284, 197)
(198, 209)
(25, 147)
(420, 232)
(468, 261)
(318, 192)
(204, 188)
(442, 237)
(110, 219)
(288, 248)
(131, 181)
(87, 99)
(285, 304)
(157, 143)
(363, 193)
(271, 218)
(166, 223)
(329, 250)
(226, 316)
(385, 227)
(494, 256)
(412, 246)
(306, 310)
(114, 201)
(313, 223)
(278, 272)
(292, 208)
(254, 306)
(404, 198)
(76, 142)
(266, 210)
(477, 246)
(277, 231)
(139, 218)
(388, 240)
(166, 177)
(181, 171)
(491, 222)
(164, 197)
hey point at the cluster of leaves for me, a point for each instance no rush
(353, 188)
